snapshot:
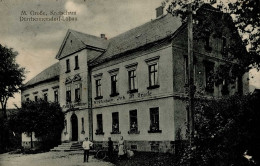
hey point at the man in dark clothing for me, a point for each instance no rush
(110, 149)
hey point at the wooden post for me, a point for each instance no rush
(191, 74)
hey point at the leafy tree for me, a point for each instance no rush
(11, 76)
(45, 119)
(226, 129)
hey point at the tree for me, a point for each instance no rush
(11, 76)
(45, 119)
(225, 130)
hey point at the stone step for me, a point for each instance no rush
(68, 146)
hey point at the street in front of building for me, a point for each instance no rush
(49, 159)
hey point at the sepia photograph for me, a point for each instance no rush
(129, 82)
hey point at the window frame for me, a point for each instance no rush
(77, 92)
(133, 124)
(115, 123)
(76, 62)
(68, 94)
(209, 71)
(99, 130)
(154, 116)
(56, 96)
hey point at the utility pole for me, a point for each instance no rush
(191, 74)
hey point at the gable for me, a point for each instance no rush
(70, 45)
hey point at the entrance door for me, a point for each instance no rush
(74, 127)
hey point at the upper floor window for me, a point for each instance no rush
(207, 41)
(77, 93)
(98, 88)
(154, 120)
(68, 94)
(209, 76)
(133, 122)
(153, 75)
(45, 97)
(115, 123)
(56, 96)
(68, 65)
(114, 84)
(99, 124)
(153, 72)
(224, 47)
(76, 63)
(132, 80)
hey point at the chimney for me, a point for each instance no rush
(159, 11)
(103, 36)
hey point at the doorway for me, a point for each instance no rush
(74, 127)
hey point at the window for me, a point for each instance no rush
(209, 74)
(114, 86)
(76, 63)
(154, 120)
(99, 125)
(224, 47)
(115, 123)
(35, 98)
(153, 76)
(225, 90)
(45, 97)
(132, 81)
(27, 99)
(98, 89)
(77, 93)
(68, 65)
(207, 41)
(68, 94)
(56, 96)
(133, 122)
(82, 123)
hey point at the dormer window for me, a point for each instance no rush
(76, 63)
(68, 65)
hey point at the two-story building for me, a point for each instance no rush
(133, 85)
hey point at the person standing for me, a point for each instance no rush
(86, 146)
(121, 147)
(110, 149)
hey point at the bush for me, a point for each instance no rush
(225, 130)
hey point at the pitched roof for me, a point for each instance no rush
(85, 40)
(50, 73)
(90, 40)
(149, 32)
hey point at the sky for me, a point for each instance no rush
(38, 42)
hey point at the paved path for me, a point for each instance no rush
(49, 159)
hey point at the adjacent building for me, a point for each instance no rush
(132, 85)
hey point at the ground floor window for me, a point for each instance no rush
(99, 124)
(133, 122)
(154, 120)
(115, 123)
